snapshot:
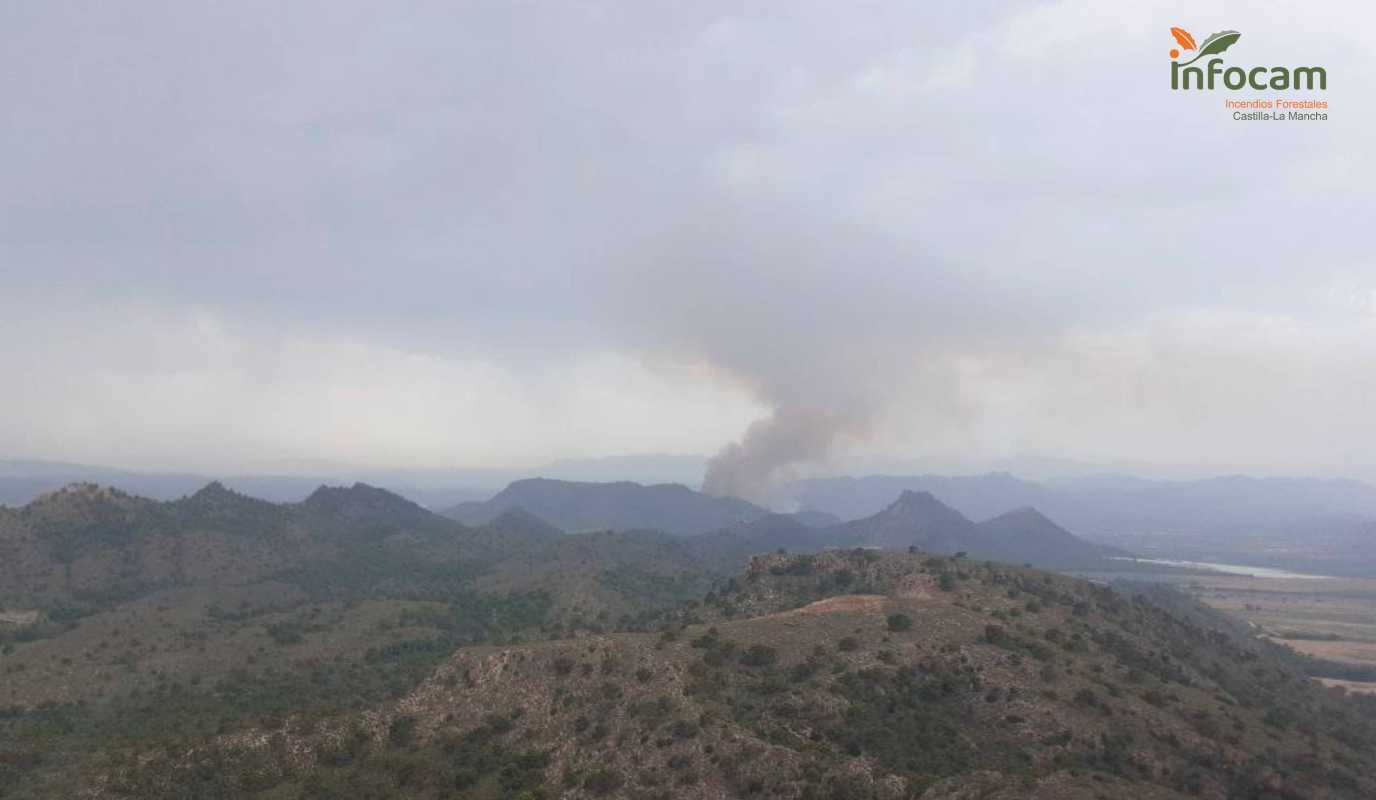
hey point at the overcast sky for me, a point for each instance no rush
(493, 234)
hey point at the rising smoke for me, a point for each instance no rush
(773, 302)
(789, 437)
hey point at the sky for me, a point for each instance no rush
(472, 234)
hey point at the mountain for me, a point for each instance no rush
(841, 675)
(355, 644)
(85, 543)
(580, 506)
(1025, 535)
(85, 548)
(1106, 504)
(21, 481)
(914, 520)
(918, 519)
(1309, 525)
(369, 511)
(977, 496)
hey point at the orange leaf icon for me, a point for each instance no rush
(1183, 36)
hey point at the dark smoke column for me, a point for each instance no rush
(750, 467)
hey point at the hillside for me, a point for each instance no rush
(215, 583)
(356, 645)
(730, 549)
(843, 675)
(583, 506)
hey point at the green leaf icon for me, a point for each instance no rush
(1219, 42)
(1216, 44)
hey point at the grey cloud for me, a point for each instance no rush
(910, 230)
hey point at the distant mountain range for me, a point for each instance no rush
(1323, 526)
(726, 531)
(1109, 504)
(86, 541)
(582, 506)
(916, 520)
(1095, 506)
(735, 529)
(87, 548)
(23, 480)
(1305, 524)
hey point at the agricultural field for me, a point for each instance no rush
(1332, 619)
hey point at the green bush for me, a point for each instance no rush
(602, 781)
(402, 731)
(759, 655)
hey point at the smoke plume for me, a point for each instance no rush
(750, 467)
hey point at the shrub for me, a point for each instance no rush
(602, 781)
(759, 655)
(683, 729)
(285, 633)
(1087, 697)
(402, 731)
(900, 622)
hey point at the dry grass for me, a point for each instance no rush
(20, 618)
(853, 603)
(1358, 687)
(1333, 619)
(1346, 652)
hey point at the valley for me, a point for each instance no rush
(1332, 620)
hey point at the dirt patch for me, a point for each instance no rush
(18, 617)
(920, 586)
(846, 603)
(1357, 687)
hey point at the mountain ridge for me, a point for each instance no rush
(621, 505)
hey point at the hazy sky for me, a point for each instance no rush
(465, 234)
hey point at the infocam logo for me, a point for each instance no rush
(1214, 74)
